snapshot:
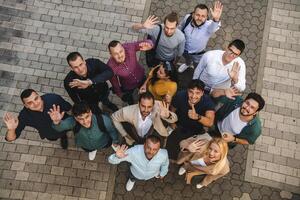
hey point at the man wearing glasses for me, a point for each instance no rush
(223, 72)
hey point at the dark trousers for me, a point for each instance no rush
(174, 139)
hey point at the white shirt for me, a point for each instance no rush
(232, 123)
(214, 73)
(144, 125)
(199, 162)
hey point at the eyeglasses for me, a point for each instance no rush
(233, 53)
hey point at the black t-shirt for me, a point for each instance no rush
(180, 102)
(41, 120)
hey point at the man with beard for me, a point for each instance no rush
(147, 117)
(147, 161)
(237, 120)
(195, 110)
(197, 30)
(171, 42)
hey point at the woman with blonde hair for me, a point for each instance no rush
(161, 82)
(201, 156)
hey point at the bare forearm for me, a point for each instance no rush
(137, 26)
(11, 135)
(241, 141)
(206, 121)
(217, 93)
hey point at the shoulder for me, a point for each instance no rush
(51, 97)
(70, 76)
(179, 34)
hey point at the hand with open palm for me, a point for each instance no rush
(55, 114)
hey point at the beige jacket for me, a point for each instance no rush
(130, 114)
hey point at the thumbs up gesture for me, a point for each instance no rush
(192, 113)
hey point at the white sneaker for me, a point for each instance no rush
(92, 155)
(182, 68)
(181, 171)
(129, 185)
(198, 186)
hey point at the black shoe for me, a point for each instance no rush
(64, 142)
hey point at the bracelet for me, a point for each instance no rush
(170, 115)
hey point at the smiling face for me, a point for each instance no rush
(85, 119)
(199, 16)
(117, 53)
(194, 95)
(231, 53)
(79, 66)
(161, 73)
(146, 106)
(249, 107)
(34, 102)
(151, 149)
(214, 152)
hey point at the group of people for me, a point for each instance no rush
(194, 128)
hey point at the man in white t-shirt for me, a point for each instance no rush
(223, 70)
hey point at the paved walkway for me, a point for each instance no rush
(36, 36)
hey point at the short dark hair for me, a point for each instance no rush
(256, 97)
(73, 56)
(196, 83)
(154, 139)
(239, 44)
(80, 108)
(146, 95)
(113, 44)
(202, 7)
(172, 17)
(26, 93)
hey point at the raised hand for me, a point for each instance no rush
(150, 22)
(232, 92)
(55, 114)
(217, 11)
(145, 46)
(167, 98)
(196, 145)
(10, 121)
(80, 84)
(164, 109)
(234, 72)
(143, 89)
(192, 113)
(121, 151)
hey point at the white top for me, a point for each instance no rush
(232, 123)
(144, 125)
(199, 162)
(214, 73)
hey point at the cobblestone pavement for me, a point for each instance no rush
(242, 19)
(35, 38)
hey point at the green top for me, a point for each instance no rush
(90, 138)
(253, 128)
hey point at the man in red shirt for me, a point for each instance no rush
(128, 73)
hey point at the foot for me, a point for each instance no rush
(64, 142)
(181, 171)
(198, 186)
(92, 155)
(129, 185)
(183, 67)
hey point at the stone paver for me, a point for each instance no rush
(35, 38)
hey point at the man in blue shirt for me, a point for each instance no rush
(198, 29)
(35, 114)
(147, 161)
